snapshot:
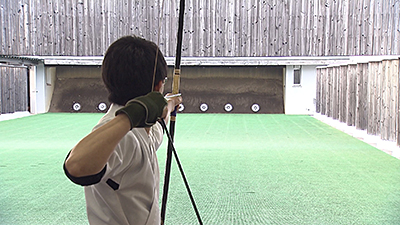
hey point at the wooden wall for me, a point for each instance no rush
(364, 95)
(13, 90)
(212, 28)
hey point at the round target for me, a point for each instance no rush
(181, 107)
(255, 107)
(228, 107)
(203, 107)
(102, 106)
(76, 106)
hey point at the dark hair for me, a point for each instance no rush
(128, 68)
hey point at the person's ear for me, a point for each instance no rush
(159, 86)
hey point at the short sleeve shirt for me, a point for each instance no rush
(128, 193)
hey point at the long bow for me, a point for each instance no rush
(171, 133)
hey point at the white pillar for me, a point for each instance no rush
(37, 87)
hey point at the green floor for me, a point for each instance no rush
(242, 169)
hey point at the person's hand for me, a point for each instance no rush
(144, 111)
(172, 103)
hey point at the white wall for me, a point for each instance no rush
(300, 99)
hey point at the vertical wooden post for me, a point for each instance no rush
(359, 97)
(398, 103)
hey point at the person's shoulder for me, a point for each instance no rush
(110, 114)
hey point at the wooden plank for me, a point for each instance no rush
(96, 21)
(371, 99)
(394, 68)
(350, 102)
(359, 22)
(10, 93)
(80, 28)
(386, 91)
(372, 76)
(343, 93)
(364, 111)
(396, 23)
(69, 24)
(364, 27)
(276, 24)
(229, 30)
(318, 92)
(336, 91)
(314, 23)
(282, 32)
(56, 28)
(389, 27)
(308, 20)
(340, 94)
(354, 93)
(335, 9)
(20, 91)
(87, 24)
(22, 22)
(298, 27)
(290, 28)
(104, 29)
(2, 72)
(379, 98)
(13, 23)
(61, 29)
(359, 96)
(50, 30)
(396, 74)
(32, 28)
(334, 97)
(302, 25)
(327, 92)
(378, 28)
(327, 26)
(3, 89)
(384, 43)
(323, 90)
(320, 26)
(330, 91)
(350, 27)
(2, 34)
(371, 28)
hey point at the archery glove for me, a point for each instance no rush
(144, 111)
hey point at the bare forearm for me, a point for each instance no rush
(90, 155)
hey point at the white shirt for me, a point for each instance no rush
(134, 166)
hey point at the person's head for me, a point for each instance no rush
(128, 68)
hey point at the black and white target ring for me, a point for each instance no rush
(255, 107)
(181, 107)
(203, 107)
(76, 106)
(102, 106)
(228, 107)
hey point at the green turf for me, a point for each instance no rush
(242, 169)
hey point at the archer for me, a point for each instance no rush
(117, 162)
